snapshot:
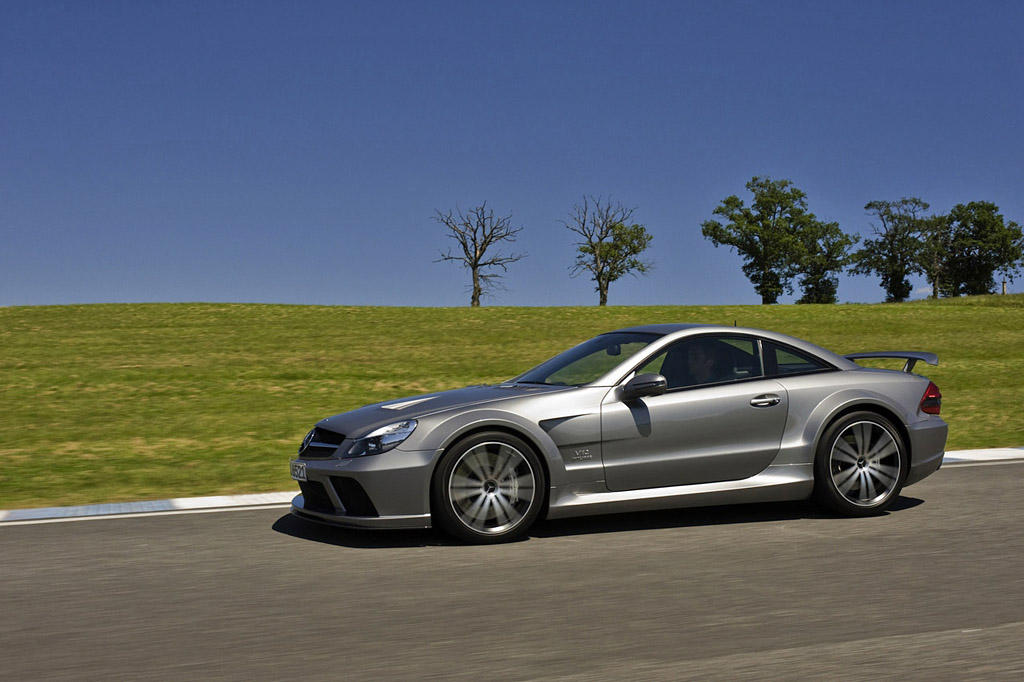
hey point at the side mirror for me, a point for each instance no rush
(644, 385)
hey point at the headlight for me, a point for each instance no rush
(383, 439)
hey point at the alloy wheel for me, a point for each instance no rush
(865, 463)
(492, 488)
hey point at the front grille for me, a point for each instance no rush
(353, 497)
(322, 445)
(315, 498)
(318, 451)
(327, 437)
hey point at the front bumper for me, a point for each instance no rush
(390, 490)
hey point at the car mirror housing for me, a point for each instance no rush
(644, 385)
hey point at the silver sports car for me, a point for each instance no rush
(651, 417)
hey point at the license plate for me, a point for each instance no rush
(299, 471)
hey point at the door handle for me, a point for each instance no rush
(766, 400)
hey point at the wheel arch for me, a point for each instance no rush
(882, 410)
(868, 468)
(500, 427)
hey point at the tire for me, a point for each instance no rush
(860, 466)
(488, 488)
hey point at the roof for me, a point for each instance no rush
(662, 328)
(672, 329)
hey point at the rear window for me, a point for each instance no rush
(785, 361)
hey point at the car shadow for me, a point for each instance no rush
(305, 529)
(764, 512)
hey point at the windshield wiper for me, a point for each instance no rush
(534, 383)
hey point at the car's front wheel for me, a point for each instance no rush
(860, 466)
(488, 488)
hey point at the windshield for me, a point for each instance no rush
(589, 360)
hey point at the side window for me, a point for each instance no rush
(745, 359)
(706, 360)
(781, 361)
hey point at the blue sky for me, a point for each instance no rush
(295, 152)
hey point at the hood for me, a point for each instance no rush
(356, 423)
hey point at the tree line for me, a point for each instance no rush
(781, 242)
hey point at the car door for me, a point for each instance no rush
(722, 425)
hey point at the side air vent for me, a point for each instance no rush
(353, 497)
(315, 498)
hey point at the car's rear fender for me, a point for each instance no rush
(878, 408)
(811, 414)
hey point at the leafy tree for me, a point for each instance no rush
(981, 243)
(825, 252)
(895, 254)
(609, 245)
(935, 236)
(476, 233)
(778, 238)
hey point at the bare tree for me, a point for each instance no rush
(476, 233)
(610, 246)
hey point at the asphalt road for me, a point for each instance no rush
(934, 590)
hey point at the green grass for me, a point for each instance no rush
(106, 403)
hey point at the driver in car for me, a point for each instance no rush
(708, 362)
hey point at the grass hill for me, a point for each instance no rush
(102, 403)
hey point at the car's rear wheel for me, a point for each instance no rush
(860, 466)
(488, 488)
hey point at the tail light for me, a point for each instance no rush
(931, 401)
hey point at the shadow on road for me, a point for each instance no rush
(696, 516)
(360, 539)
(587, 525)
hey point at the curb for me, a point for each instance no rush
(987, 455)
(182, 505)
(179, 505)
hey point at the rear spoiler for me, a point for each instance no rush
(911, 356)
